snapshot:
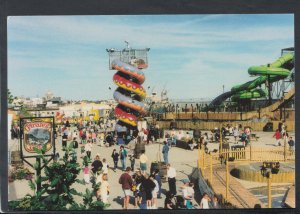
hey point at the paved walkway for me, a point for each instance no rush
(183, 160)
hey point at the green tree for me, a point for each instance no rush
(24, 112)
(57, 192)
(10, 97)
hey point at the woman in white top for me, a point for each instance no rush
(204, 201)
(105, 166)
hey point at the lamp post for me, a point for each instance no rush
(267, 169)
(269, 176)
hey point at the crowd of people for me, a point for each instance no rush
(282, 136)
(142, 187)
(143, 184)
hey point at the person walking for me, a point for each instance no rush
(148, 186)
(83, 137)
(291, 143)
(123, 155)
(171, 175)
(158, 179)
(235, 134)
(97, 165)
(165, 151)
(143, 162)
(86, 174)
(216, 204)
(105, 166)
(277, 136)
(75, 143)
(138, 179)
(154, 192)
(15, 133)
(88, 149)
(187, 196)
(103, 191)
(204, 201)
(115, 157)
(64, 141)
(126, 182)
(132, 161)
(94, 137)
(169, 204)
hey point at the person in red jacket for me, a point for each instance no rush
(127, 183)
(277, 136)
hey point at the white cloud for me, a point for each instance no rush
(76, 46)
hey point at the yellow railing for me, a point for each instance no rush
(248, 154)
(209, 162)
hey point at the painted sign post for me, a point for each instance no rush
(37, 133)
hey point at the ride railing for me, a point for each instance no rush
(247, 154)
(211, 163)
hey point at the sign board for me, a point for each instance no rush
(36, 133)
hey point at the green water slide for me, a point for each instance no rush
(274, 72)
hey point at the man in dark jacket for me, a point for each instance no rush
(97, 164)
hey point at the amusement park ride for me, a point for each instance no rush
(278, 79)
(129, 64)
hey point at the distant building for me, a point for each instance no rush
(48, 96)
(49, 112)
(86, 111)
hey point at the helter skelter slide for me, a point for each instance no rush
(129, 64)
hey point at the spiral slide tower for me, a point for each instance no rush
(129, 64)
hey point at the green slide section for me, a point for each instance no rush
(277, 70)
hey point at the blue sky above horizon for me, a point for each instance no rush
(193, 56)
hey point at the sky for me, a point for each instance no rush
(191, 56)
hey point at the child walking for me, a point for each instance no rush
(86, 174)
(132, 161)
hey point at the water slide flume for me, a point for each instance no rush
(278, 70)
(129, 94)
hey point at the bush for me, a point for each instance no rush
(56, 192)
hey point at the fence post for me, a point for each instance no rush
(221, 141)
(227, 179)
(199, 156)
(211, 168)
(269, 190)
(203, 158)
(284, 152)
